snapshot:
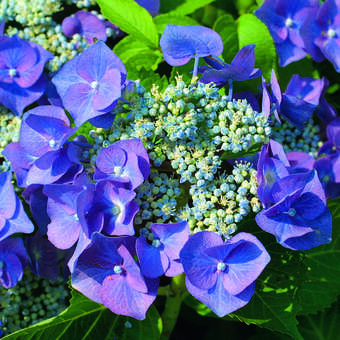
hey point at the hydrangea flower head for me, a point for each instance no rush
(86, 24)
(90, 83)
(107, 273)
(181, 43)
(13, 259)
(21, 68)
(222, 274)
(162, 255)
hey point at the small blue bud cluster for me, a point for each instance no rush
(186, 130)
(308, 140)
(222, 203)
(158, 199)
(32, 300)
(9, 132)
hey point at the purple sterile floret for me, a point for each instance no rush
(44, 128)
(284, 20)
(13, 259)
(90, 83)
(299, 218)
(44, 155)
(125, 162)
(300, 99)
(21, 67)
(222, 274)
(86, 24)
(13, 218)
(162, 255)
(107, 273)
(240, 69)
(181, 43)
(117, 206)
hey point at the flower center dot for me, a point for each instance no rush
(94, 84)
(118, 170)
(115, 210)
(12, 72)
(221, 266)
(292, 212)
(75, 216)
(289, 22)
(52, 143)
(326, 178)
(156, 243)
(331, 33)
(117, 269)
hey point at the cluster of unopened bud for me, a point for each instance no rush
(189, 132)
(32, 300)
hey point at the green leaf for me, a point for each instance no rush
(252, 30)
(85, 319)
(322, 326)
(148, 79)
(132, 19)
(136, 55)
(225, 26)
(321, 286)
(190, 6)
(172, 19)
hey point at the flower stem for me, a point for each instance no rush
(172, 305)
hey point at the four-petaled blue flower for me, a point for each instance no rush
(107, 273)
(222, 274)
(90, 89)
